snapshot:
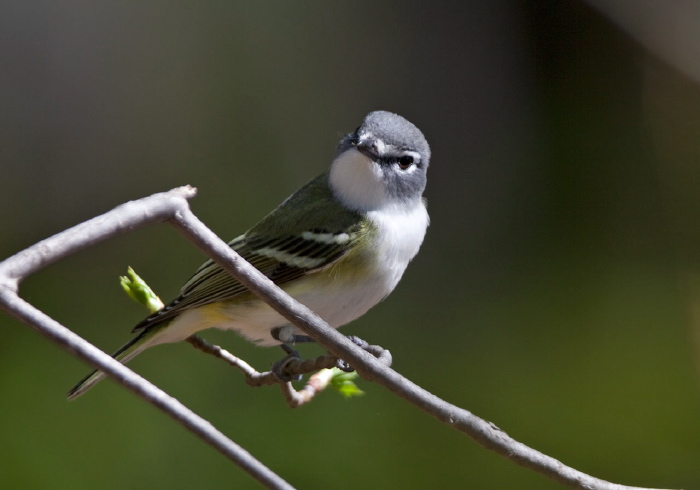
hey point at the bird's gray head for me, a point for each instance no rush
(382, 163)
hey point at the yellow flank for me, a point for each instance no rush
(214, 314)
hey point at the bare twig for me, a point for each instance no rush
(216, 351)
(123, 218)
(369, 367)
(314, 385)
(173, 206)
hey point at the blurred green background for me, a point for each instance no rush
(556, 293)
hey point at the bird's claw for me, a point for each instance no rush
(342, 364)
(280, 368)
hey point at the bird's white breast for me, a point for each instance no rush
(396, 241)
(400, 233)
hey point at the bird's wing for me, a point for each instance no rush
(306, 233)
(281, 258)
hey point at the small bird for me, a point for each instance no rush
(338, 245)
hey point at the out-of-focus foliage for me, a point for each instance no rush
(345, 383)
(556, 293)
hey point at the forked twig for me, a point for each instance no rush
(322, 367)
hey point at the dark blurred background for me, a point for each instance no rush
(556, 294)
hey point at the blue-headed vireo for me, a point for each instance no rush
(338, 245)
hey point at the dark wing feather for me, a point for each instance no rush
(211, 284)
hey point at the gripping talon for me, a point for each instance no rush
(286, 336)
(344, 366)
(279, 369)
(363, 344)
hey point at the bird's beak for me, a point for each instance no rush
(368, 148)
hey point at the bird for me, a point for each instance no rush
(338, 245)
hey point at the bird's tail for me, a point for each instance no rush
(124, 354)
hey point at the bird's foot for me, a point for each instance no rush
(286, 336)
(280, 368)
(342, 364)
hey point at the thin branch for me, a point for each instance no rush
(126, 217)
(214, 350)
(255, 378)
(173, 206)
(316, 383)
(371, 368)
(123, 218)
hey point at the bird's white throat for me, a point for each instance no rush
(357, 181)
(401, 224)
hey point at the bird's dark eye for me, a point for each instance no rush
(405, 162)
